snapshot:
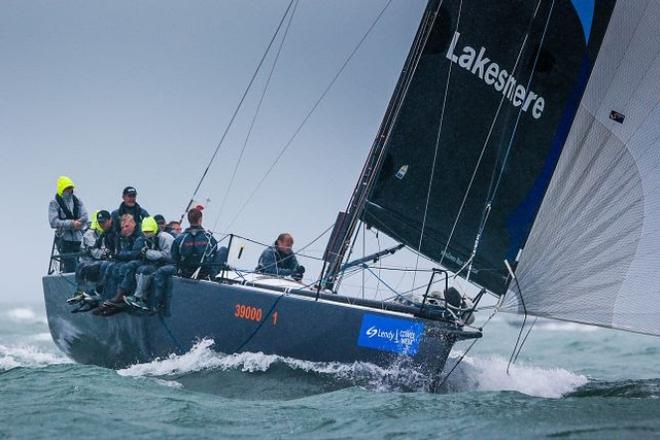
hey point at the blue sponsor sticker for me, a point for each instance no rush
(400, 336)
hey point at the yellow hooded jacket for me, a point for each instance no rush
(63, 182)
(149, 225)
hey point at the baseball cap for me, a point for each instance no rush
(102, 216)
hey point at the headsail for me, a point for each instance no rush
(593, 255)
(481, 126)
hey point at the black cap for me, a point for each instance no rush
(159, 218)
(129, 190)
(102, 216)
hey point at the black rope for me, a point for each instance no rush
(522, 302)
(435, 385)
(169, 333)
(238, 107)
(240, 347)
(62, 275)
(515, 359)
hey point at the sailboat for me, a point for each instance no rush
(517, 152)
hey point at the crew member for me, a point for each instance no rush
(97, 245)
(195, 254)
(129, 205)
(173, 228)
(157, 253)
(160, 220)
(68, 216)
(129, 246)
(195, 250)
(280, 260)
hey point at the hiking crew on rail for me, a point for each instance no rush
(125, 259)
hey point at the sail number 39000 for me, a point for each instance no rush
(248, 312)
(252, 313)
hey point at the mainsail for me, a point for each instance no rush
(593, 254)
(477, 134)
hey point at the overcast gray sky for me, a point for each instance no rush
(116, 93)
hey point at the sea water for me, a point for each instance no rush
(570, 381)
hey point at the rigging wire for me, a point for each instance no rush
(522, 302)
(309, 114)
(383, 138)
(238, 107)
(254, 117)
(485, 144)
(364, 252)
(493, 190)
(437, 145)
(380, 264)
(299, 252)
(515, 359)
(435, 385)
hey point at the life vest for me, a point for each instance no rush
(107, 240)
(135, 211)
(68, 215)
(153, 243)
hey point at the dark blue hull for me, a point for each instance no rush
(250, 319)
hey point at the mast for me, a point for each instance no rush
(347, 221)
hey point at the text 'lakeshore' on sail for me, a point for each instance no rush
(501, 80)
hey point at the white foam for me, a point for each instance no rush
(168, 383)
(28, 356)
(489, 374)
(25, 315)
(202, 357)
(482, 374)
(41, 337)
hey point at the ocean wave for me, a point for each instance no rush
(25, 315)
(27, 356)
(489, 374)
(474, 374)
(633, 389)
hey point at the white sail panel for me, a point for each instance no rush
(593, 254)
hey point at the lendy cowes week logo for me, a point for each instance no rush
(390, 334)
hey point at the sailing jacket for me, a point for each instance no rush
(138, 213)
(194, 248)
(278, 263)
(128, 248)
(159, 249)
(97, 245)
(62, 211)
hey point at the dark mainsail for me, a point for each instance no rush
(481, 126)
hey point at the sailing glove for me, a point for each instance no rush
(298, 275)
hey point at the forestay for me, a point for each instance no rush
(479, 129)
(593, 255)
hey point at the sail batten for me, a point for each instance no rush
(594, 251)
